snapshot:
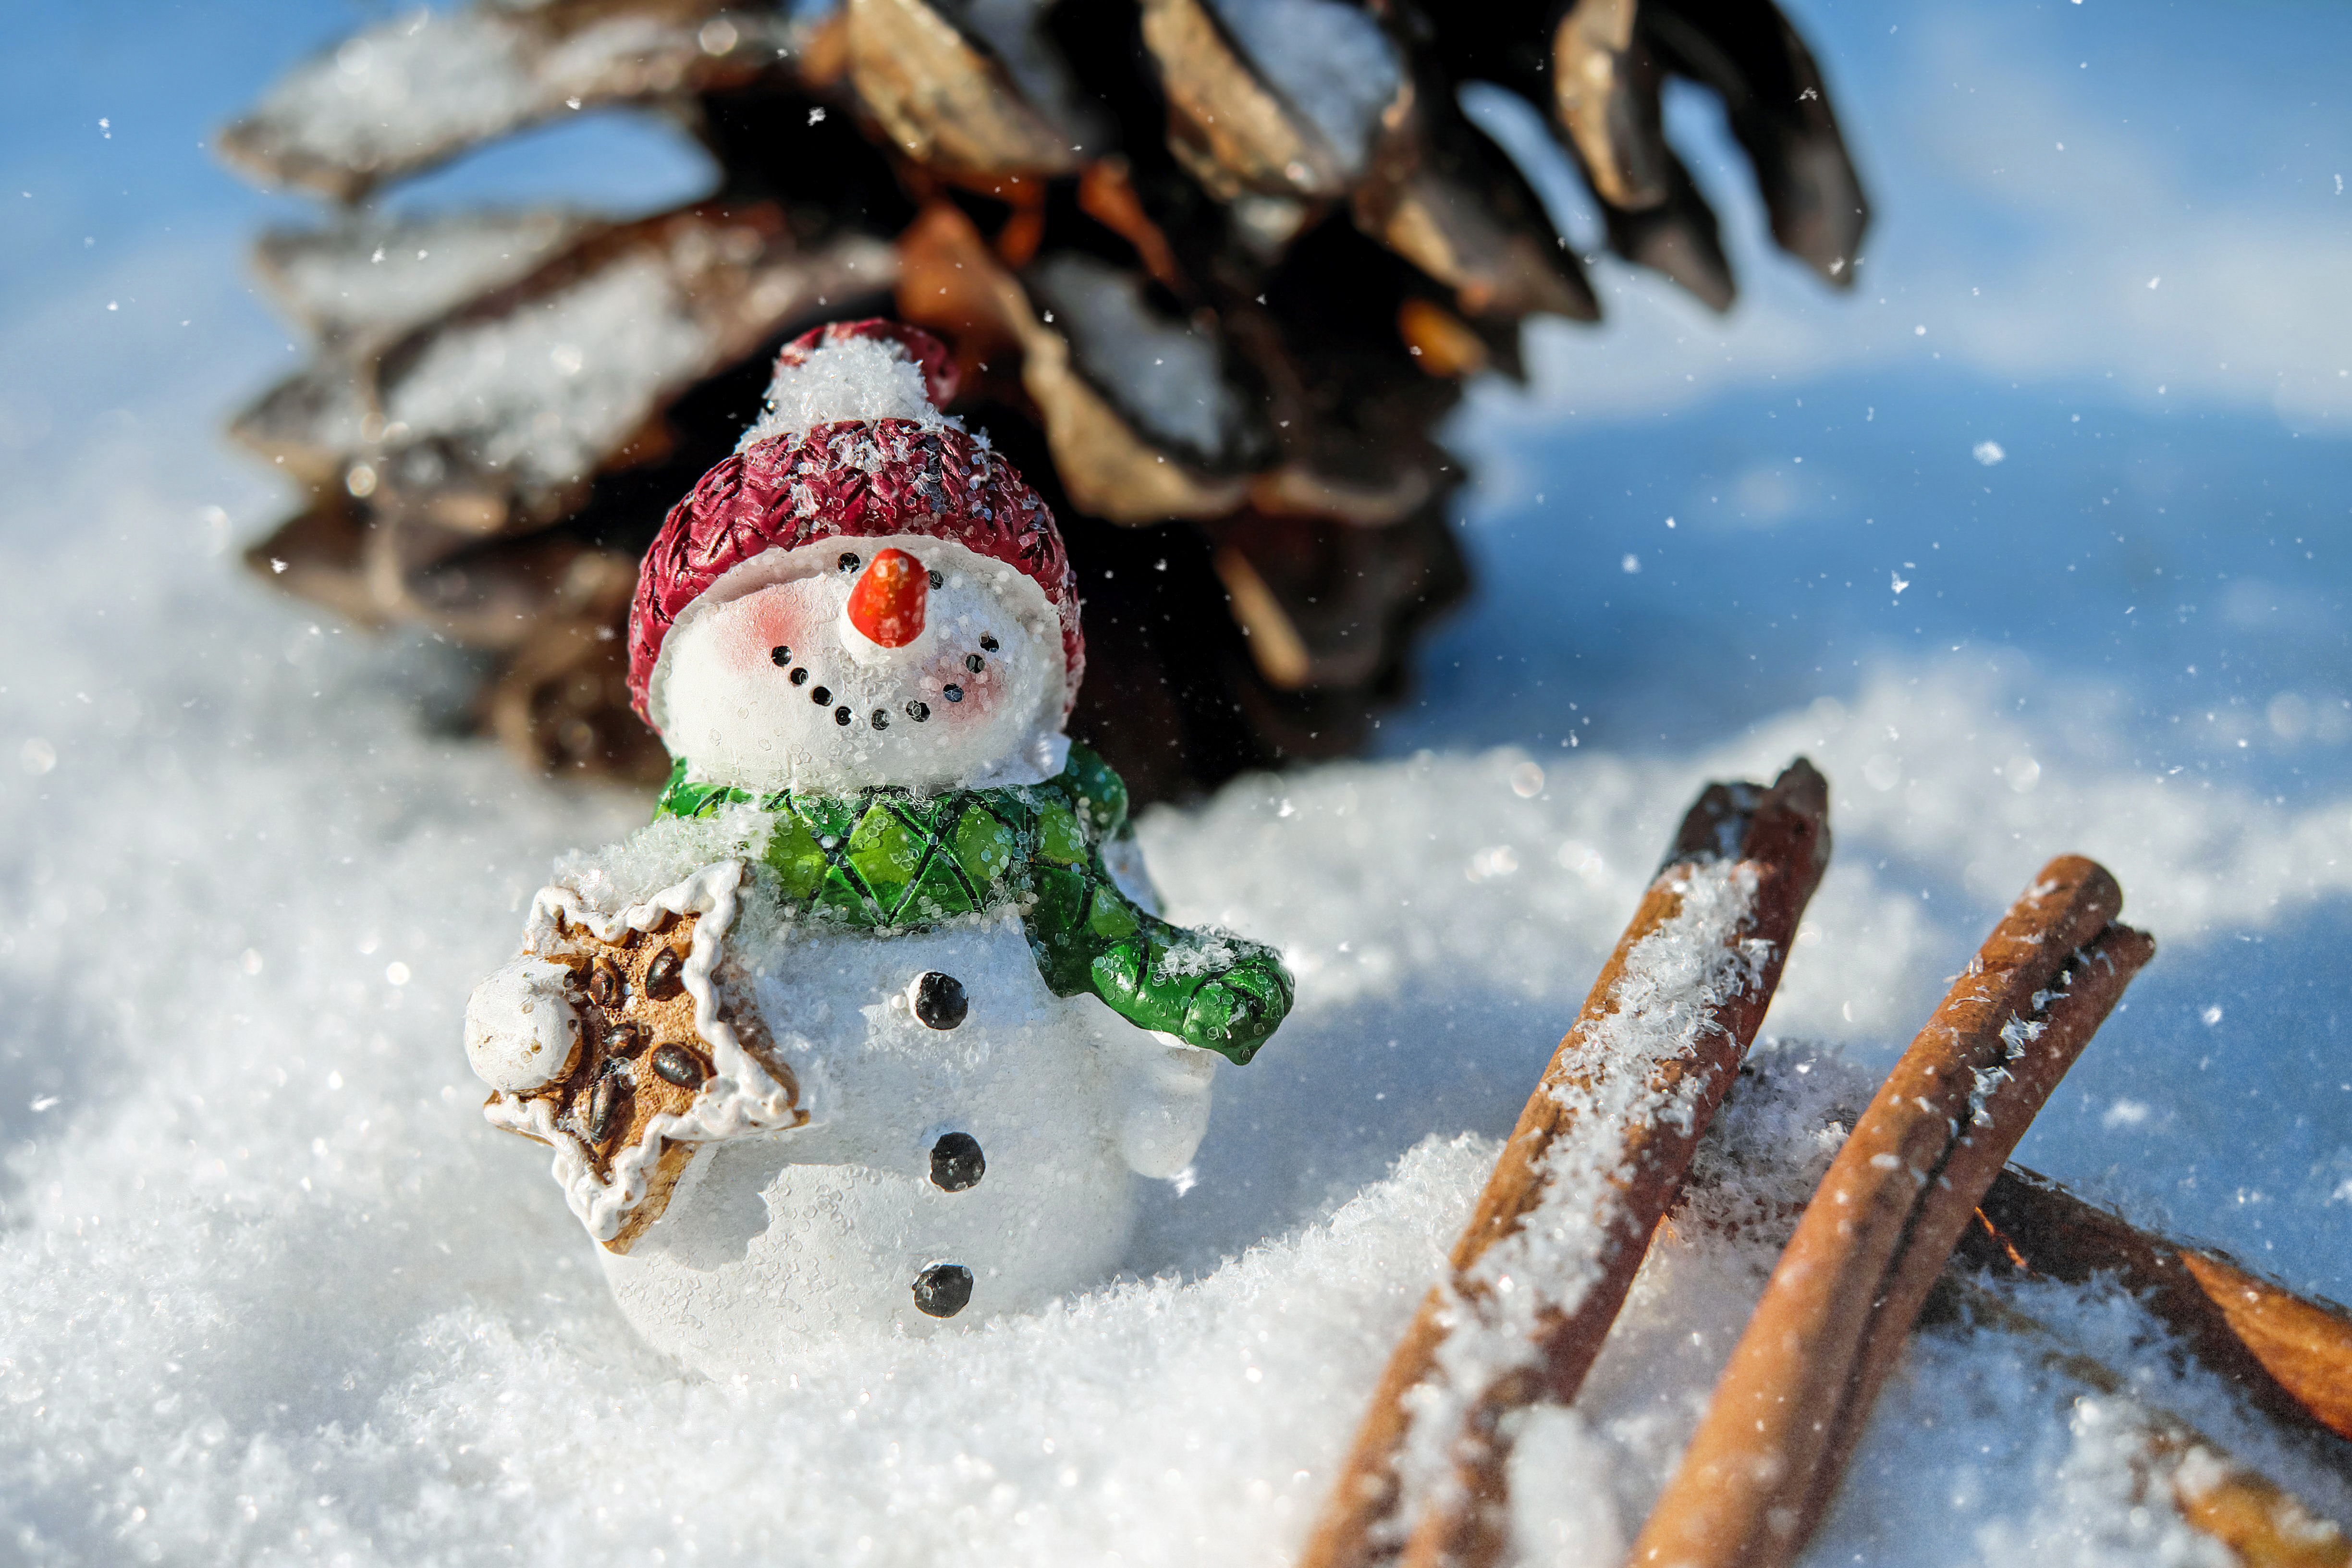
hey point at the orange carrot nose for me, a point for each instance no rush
(886, 604)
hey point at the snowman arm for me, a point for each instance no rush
(1216, 993)
(1161, 1100)
(521, 1031)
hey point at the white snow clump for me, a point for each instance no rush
(854, 378)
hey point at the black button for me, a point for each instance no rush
(939, 1001)
(957, 1163)
(943, 1289)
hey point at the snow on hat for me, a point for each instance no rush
(853, 445)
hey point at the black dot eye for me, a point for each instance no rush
(939, 1001)
(821, 697)
(849, 562)
(952, 693)
(943, 1289)
(779, 656)
(987, 643)
(841, 716)
(799, 677)
(881, 720)
(972, 662)
(938, 581)
(918, 711)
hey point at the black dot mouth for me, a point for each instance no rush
(881, 720)
(987, 643)
(779, 656)
(973, 662)
(849, 562)
(799, 677)
(841, 717)
(938, 581)
(821, 697)
(918, 711)
(952, 693)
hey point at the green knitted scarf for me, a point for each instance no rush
(887, 860)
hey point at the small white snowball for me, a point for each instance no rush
(521, 1030)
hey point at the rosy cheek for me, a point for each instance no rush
(765, 631)
(978, 696)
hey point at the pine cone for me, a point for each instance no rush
(1214, 271)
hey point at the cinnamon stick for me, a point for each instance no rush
(2216, 1494)
(2291, 1355)
(1765, 1460)
(1597, 1158)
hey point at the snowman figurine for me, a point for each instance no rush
(876, 1024)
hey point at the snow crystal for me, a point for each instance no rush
(855, 378)
(1206, 952)
(546, 392)
(1330, 59)
(660, 854)
(1164, 373)
(377, 275)
(428, 83)
(417, 81)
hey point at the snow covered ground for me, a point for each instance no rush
(2065, 569)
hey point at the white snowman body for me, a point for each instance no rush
(916, 1131)
(857, 1220)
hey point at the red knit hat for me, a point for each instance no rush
(852, 477)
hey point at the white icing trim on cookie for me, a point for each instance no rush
(739, 1099)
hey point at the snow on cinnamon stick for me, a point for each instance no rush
(2218, 1495)
(1596, 1159)
(1765, 1462)
(2288, 1353)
